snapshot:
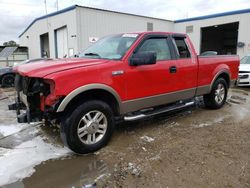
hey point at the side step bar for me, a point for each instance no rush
(159, 111)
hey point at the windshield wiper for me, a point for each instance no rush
(92, 54)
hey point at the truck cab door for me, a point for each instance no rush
(186, 65)
(148, 85)
(173, 77)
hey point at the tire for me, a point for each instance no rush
(8, 80)
(89, 127)
(218, 95)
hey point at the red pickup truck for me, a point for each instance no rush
(129, 76)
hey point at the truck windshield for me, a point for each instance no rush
(245, 60)
(110, 47)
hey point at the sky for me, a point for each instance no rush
(16, 15)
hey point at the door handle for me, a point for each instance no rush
(172, 69)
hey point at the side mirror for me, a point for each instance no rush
(143, 58)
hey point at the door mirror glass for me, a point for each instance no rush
(143, 58)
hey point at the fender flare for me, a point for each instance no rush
(225, 71)
(85, 88)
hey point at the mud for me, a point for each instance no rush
(196, 147)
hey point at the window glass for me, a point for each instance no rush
(182, 48)
(150, 26)
(157, 45)
(110, 47)
(245, 60)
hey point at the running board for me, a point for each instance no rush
(158, 111)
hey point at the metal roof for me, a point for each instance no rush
(74, 6)
(176, 21)
(7, 51)
(48, 15)
(244, 11)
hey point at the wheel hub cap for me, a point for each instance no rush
(220, 93)
(92, 127)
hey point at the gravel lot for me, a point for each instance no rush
(196, 147)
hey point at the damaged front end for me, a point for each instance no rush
(30, 101)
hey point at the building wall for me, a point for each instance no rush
(83, 23)
(243, 33)
(31, 38)
(98, 23)
(16, 57)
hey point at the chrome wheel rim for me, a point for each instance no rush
(92, 127)
(220, 93)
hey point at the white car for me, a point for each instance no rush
(244, 71)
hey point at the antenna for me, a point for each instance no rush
(46, 11)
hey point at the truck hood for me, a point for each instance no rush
(43, 68)
(244, 67)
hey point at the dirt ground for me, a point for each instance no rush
(196, 147)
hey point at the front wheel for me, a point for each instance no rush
(218, 95)
(88, 127)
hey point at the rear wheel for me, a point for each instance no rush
(8, 80)
(218, 95)
(88, 127)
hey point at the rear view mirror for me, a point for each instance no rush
(143, 58)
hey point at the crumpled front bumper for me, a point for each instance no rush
(27, 103)
(23, 112)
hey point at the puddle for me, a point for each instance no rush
(212, 122)
(72, 172)
(31, 157)
(23, 147)
(19, 162)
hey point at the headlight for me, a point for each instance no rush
(48, 86)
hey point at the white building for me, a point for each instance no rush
(9, 55)
(226, 33)
(71, 30)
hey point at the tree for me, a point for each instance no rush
(10, 43)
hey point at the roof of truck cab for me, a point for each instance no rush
(154, 32)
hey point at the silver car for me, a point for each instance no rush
(244, 71)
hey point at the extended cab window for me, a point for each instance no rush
(182, 48)
(157, 45)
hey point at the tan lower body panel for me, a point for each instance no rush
(138, 104)
(141, 103)
(201, 90)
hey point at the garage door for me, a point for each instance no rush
(61, 42)
(220, 38)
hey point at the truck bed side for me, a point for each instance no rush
(211, 67)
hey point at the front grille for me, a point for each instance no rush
(18, 83)
(22, 83)
(244, 71)
(243, 76)
(244, 83)
(25, 84)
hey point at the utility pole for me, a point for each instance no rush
(45, 4)
(46, 11)
(57, 5)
